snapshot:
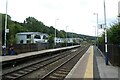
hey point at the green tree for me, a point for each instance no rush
(14, 28)
(62, 34)
(52, 30)
(31, 24)
(113, 34)
(51, 41)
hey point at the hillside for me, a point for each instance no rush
(32, 24)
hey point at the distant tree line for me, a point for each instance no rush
(31, 24)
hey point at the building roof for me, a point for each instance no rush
(24, 33)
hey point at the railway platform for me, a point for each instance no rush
(92, 66)
(31, 54)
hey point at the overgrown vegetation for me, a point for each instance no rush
(31, 24)
(113, 34)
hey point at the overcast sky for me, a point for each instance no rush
(77, 14)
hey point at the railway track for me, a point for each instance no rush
(31, 62)
(60, 72)
(18, 74)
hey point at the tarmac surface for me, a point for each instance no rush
(105, 71)
(92, 66)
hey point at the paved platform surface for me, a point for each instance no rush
(92, 66)
(12, 57)
(105, 71)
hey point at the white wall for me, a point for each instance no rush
(21, 37)
(24, 38)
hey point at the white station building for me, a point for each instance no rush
(31, 37)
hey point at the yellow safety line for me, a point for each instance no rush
(89, 68)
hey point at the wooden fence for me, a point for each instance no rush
(23, 48)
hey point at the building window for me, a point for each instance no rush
(28, 41)
(37, 37)
(28, 36)
(45, 37)
(21, 41)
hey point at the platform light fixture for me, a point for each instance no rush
(55, 31)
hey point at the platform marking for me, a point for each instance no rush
(89, 68)
(75, 67)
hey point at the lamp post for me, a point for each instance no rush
(105, 29)
(6, 30)
(66, 35)
(55, 30)
(72, 37)
(6, 22)
(96, 26)
(95, 32)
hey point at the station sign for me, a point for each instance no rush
(7, 30)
